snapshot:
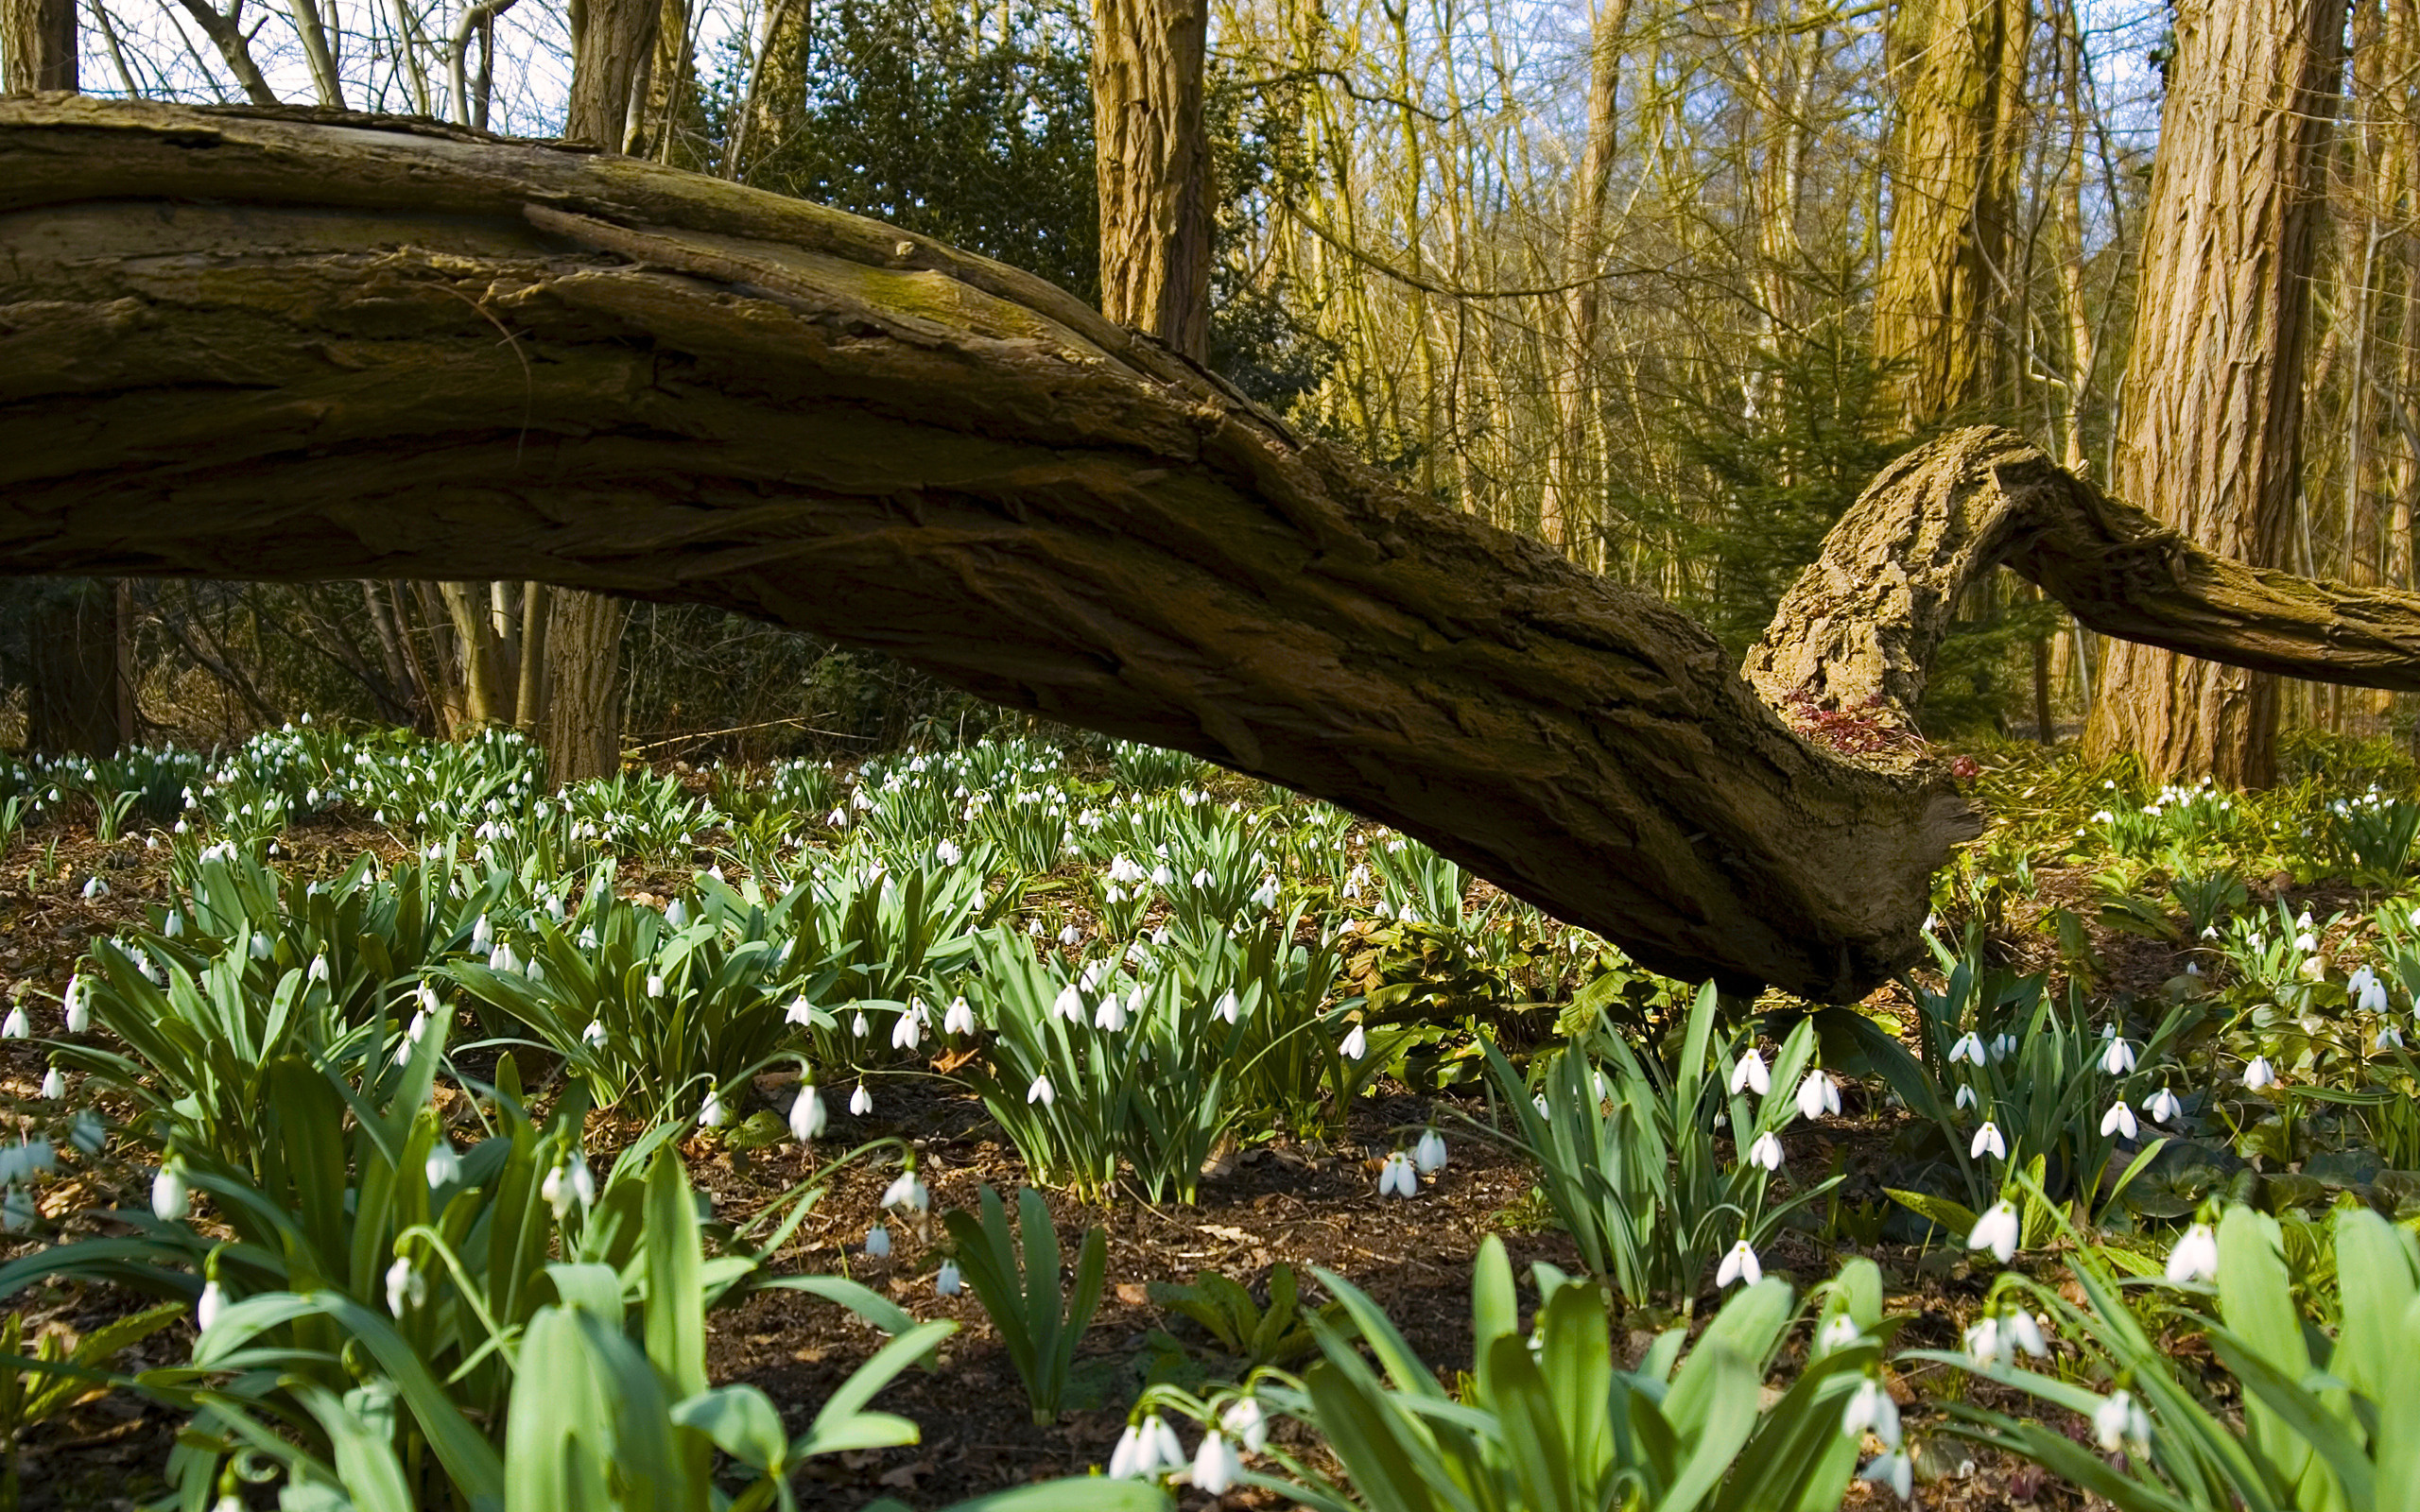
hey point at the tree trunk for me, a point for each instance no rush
(583, 729)
(1153, 153)
(2213, 391)
(1573, 495)
(37, 47)
(78, 694)
(268, 347)
(1953, 195)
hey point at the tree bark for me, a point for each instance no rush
(37, 47)
(1153, 153)
(233, 345)
(2212, 402)
(1953, 195)
(1573, 491)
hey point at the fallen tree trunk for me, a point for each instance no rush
(279, 345)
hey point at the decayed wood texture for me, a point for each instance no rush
(2214, 382)
(238, 345)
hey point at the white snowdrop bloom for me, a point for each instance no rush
(807, 1117)
(1965, 1097)
(2025, 1330)
(1247, 1424)
(655, 984)
(2195, 1257)
(1215, 1465)
(54, 1086)
(960, 1017)
(1070, 935)
(2121, 1423)
(1749, 1073)
(1161, 876)
(443, 1166)
(1838, 1333)
(1870, 1410)
(860, 1102)
(677, 913)
(1988, 1344)
(96, 887)
(1357, 1044)
(1741, 1265)
(1428, 1155)
(14, 1026)
(1987, 1141)
(947, 1282)
(426, 998)
(1135, 1458)
(2119, 1121)
(1041, 1091)
(1265, 896)
(1396, 1178)
(2305, 942)
(503, 961)
(860, 1025)
(947, 853)
(2390, 1037)
(907, 1192)
(1069, 1004)
(837, 818)
(1968, 1048)
(2119, 1059)
(711, 1113)
(1895, 1469)
(1766, 1151)
(214, 1303)
(482, 935)
(1111, 1015)
(1818, 1094)
(2003, 1046)
(2372, 997)
(2259, 1075)
(1997, 1230)
(1201, 878)
(594, 1036)
(800, 1011)
(405, 1287)
(2162, 1106)
(877, 1243)
(1227, 1009)
(908, 1030)
(172, 1200)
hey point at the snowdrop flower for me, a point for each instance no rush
(405, 1287)
(1870, 1410)
(1428, 1155)
(1965, 1095)
(1766, 1152)
(78, 1002)
(1894, 1470)
(677, 915)
(655, 985)
(1818, 1095)
(1987, 1138)
(2195, 1257)
(1969, 1048)
(2025, 1330)
(1244, 1422)
(2372, 996)
(946, 1281)
(1266, 895)
(2119, 1059)
(1356, 1045)
(1166, 1447)
(1987, 1344)
(1069, 1004)
(482, 935)
(2259, 1075)
(1396, 1178)
(1110, 1016)
(807, 1116)
(1227, 1010)
(1161, 876)
(1041, 1091)
(501, 960)
(877, 1243)
(54, 1086)
(1838, 1333)
(959, 1019)
(261, 946)
(88, 1133)
(170, 1198)
(2122, 1423)
(2160, 1105)
(1741, 1265)
(2303, 921)
(860, 1102)
(2003, 1046)
(1215, 1465)
(1131, 1459)
(594, 1036)
(907, 1192)
(948, 855)
(1749, 1073)
(2390, 1037)
(96, 887)
(213, 1301)
(1070, 935)
(1997, 1231)
(909, 1029)
(443, 1166)
(14, 1026)
(2119, 1121)
(2305, 942)
(711, 1113)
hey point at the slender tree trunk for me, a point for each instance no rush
(1571, 477)
(2214, 383)
(1153, 153)
(1944, 278)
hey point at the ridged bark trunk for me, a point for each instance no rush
(1574, 492)
(1953, 198)
(80, 693)
(37, 47)
(1153, 153)
(241, 347)
(2212, 402)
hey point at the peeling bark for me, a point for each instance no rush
(242, 344)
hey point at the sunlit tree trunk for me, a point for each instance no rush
(1571, 474)
(36, 46)
(1153, 154)
(2212, 402)
(1946, 275)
